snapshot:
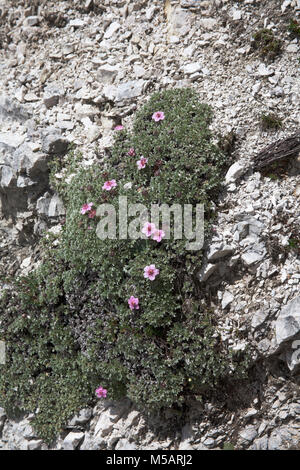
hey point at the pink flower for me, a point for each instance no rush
(150, 272)
(158, 116)
(119, 128)
(101, 392)
(142, 163)
(133, 303)
(148, 229)
(86, 207)
(158, 235)
(108, 185)
(92, 213)
(131, 152)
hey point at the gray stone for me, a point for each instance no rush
(251, 413)
(24, 168)
(150, 12)
(249, 433)
(8, 177)
(192, 4)
(125, 91)
(234, 172)
(124, 444)
(107, 73)
(132, 419)
(274, 441)
(218, 251)
(93, 443)
(77, 23)
(31, 21)
(42, 204)
(208, 23)
(264, 71)
(226, 300)
(138, 71)
(86, 110)
(192, 68)
(2, 417)
(10, 110)
(207, 271)
(82, 417)
(254, 255)
(293, 356)
(54, 144)
(11, 139)
(178, 21)
(34, 444)
(56, 207)
(242, 229)
(261, 443)
(209, 442)
(72, 440)
(52, 95)
(288, 323)
(130, 90)
(104, 425)
(259, 318)
(65, 125)
(292, 48)
(236, 14)
(111, 30)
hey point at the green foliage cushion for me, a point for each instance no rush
(68, 326)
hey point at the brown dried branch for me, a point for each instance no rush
(278, 151)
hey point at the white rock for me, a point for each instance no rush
(107, 73)
(77, 23)
(208, 23)
(218, 251)
(138, 71)
(26, 262)
(72, 440)
(31, 21)
(234, 172)
(81, 418)
(288, 322)
(104, 425)
(251, 257)
(174, 39)
(227, 299)
(125, 91)
(150, 12)
(264, 71)
(56, 207)
(52, 95)
(34, 444)
(249, 433)
(259, 318)
(236, 14)
(285, 4)
(192, 68)
(13, 139)
(111, 30)
(124, 444)
(292, 48)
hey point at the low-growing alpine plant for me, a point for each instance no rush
(114, 317)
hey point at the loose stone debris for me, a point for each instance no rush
(69, 73)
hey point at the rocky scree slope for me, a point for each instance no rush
(70, 73)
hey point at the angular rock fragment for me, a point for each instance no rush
(288, 323)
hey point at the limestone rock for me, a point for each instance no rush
(288, 322)
(234, 172)
(72, 440)
(54, 144)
